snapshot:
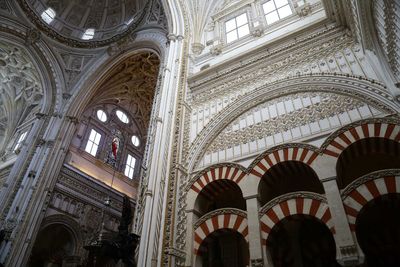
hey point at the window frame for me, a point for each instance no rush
(87, 139)
(134, 167)
(234, 15)
(264, 15)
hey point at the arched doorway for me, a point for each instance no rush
(301, 241)
(378, 232)
(54, 244)
(366, 156)
(224, 247)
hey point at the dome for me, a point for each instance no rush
(86, 23)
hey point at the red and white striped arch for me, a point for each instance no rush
(307, 206)
(366, 192)
(304, 155)
(221, 221)
(222, 172)
(377, 129)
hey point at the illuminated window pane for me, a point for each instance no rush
(88, 34)
(48, 15)
(280, 3)
(93, 142)
(241, 20)
(122, 116)
(230, 25)
(231, 36)
(272, 17)
(130, 166)
(20, 140)
(243, 31)
(284, 11)
(275, 10)
(268, 7)
(101, 115)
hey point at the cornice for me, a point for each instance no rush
(213, 213)
(261, 56)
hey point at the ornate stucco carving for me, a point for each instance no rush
(330, 104)
(131, 84)
(72, 19)
(21, 90)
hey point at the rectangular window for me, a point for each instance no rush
(93, 142)
(237, 28)
(130, 166)
(20, 140)
(275, 10)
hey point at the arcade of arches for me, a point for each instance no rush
(221, 132)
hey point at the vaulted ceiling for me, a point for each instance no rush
(111, 19)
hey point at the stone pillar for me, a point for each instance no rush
(190, 217)
(255, 246)
(156, 181)
(27, 207)
(347, 253)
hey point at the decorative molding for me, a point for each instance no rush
(368, 177)
(292, 195)
(219, 212)
(75, 42)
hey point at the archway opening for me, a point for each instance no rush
(301, 241)
(224, 247)
(378, 232)
(110, 140)
(286, 177)
(52, 247)
(365, 156)
(219, 194)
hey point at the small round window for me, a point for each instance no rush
(101, 115)
(135, 140)
(122, 116)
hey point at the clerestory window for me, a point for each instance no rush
(130, 166)
(88, 34)
(237, 28)
(275, 10)
(48, 15)
(93, 142)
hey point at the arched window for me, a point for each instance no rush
(101, 115)
(122, 116)
(135, 140)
